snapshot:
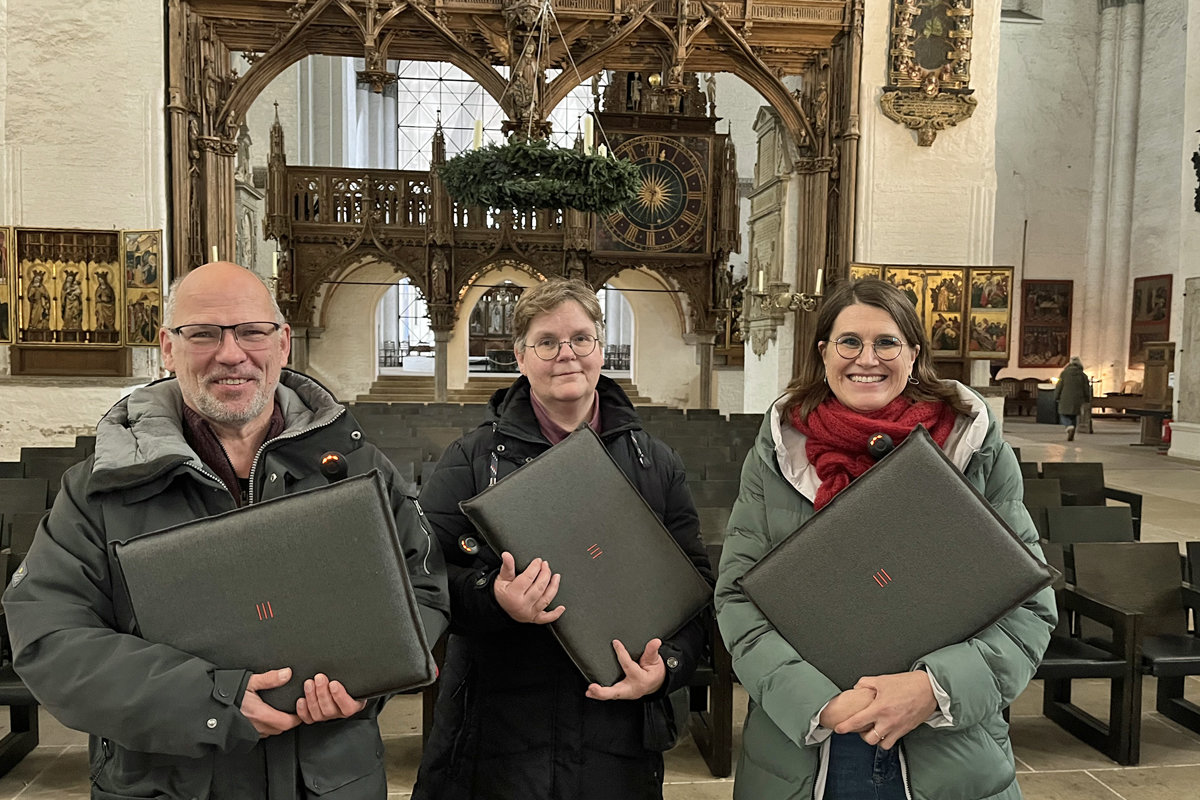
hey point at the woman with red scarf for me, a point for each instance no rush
(935, 732)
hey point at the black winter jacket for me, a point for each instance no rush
(163, 723)
(512, 718)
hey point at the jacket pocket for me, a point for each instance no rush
(334, 754)
(950, 764)
(120, 774)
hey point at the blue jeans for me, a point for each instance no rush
(861, 771)
(1067, 419)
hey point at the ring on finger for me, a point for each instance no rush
(879, 737)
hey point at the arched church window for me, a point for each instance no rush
(402, 333)
(490, 347)
(426, 88)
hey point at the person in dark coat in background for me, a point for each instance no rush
(514, 717)
(1070, 393)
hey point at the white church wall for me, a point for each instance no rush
(28, 420)
(665, 367)
(7, 185)
(1189, 229)
(932, 205)
(344, 355)
(1158, 182)
(1045, 114)
(78, 147)
(458, 347)
(84, 147)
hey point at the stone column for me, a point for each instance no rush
(441, 355)
(1185, 430)
(1107, 269)
(326, 92)
(375, 119)
(299, 358)
(704, 343)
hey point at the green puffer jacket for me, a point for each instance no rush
(968, 760)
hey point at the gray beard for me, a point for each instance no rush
(214, 409)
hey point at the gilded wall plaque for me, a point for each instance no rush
(929, 66)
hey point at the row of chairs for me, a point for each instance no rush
(27, 489)
(1123, 605)
(1058, 485)
(1124, 613)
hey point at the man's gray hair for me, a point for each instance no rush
(169, 305)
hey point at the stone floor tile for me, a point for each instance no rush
(401, 716)
(402, 756)
(49, 771)
(1153, 783)
(1074, 785)
(1041, 745)
(711, 790)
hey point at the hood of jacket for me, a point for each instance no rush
(782, 447)
(511, 411)
(141, 437)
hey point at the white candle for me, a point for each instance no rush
(760, 282)
(275, 264)
(820, 280)
(214, 253)
(478, 140)
(602, 150)
(587, 134)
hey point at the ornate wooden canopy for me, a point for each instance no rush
(761, 41)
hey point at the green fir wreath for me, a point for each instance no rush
(526, 175)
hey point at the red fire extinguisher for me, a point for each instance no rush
(1166, 431)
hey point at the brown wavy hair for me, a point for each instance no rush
(549, 295)
(809, 389)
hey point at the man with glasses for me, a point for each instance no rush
(231, 427)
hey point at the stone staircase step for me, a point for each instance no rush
(479, 389)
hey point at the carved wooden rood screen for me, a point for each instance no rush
(327, 219)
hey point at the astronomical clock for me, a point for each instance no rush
(672, 212)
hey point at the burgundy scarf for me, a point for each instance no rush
(837, 436)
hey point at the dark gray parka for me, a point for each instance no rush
(163, 723)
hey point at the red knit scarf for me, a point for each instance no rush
(837, 436)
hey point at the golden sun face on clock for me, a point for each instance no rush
(670, 209)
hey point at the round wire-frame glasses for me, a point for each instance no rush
(581, 345)
(886, 347)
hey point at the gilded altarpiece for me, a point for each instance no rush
(6, 285)
(78, 287)
(965, 311)
(141, 254)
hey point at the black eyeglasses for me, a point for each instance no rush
(886, 347)
(248, 335)
(547, 349)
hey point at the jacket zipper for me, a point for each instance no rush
(425, 529)
(203, 469)
(641, 456)
(904, 771)
(280, 438)
(106, 753)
